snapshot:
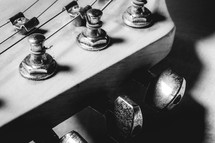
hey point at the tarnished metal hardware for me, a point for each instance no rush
(28, 26)
(126, 119)
(74, 10)
(38, 65)
(93, 38)
(166, 90)
(20, 14)
(72, 137)
(19, 17)
(22, 24)
(72, 7)
(137, 15)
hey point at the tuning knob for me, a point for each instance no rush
(93, 38)
(125, 120)
(49, 136)
(72, 137)
(38, 65)
(166, 90)
(137, 15)
(124, 117)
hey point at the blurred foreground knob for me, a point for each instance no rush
(38, 65)
(125, 120)
(166, 90)
(72, 137)
(137, 15)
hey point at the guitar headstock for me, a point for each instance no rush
(80, 73)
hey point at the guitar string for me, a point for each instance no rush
(75, 18)
(9, 37)
(21, 29)
(47, 8)
(47, 22)
(39, 16)
(30, 33)
(22, 12)
(38, 28)
(106, 5)
(68, 22)
(30, 6)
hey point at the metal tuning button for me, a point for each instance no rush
(22, 24)
(72, 137)
(93, 38)
(166, 90)
(38, 65)
(125, 121)
(137, 15)
(75, 10)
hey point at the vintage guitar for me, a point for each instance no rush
(82, 67)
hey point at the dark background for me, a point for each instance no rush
(192, 56)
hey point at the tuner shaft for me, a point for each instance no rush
(137, 15)
(93, 38)
(38, 65)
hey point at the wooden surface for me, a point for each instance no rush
(81, 74)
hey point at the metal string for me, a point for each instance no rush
(23, 12)
(37, 17)
(55, 31)
(68, 22)
(30, 6)
(47, 8)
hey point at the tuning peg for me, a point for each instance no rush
(38, 65)
(51, 136)
(125, 120)
(165, 90)
(93, 38)
(137, 15)
(72, 137)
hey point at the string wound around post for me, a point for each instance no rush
(38, 65)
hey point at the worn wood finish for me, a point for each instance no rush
(81, 74)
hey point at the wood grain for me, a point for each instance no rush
(81, 73)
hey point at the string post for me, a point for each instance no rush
(93, 38)
(38, 65)
(137, 15)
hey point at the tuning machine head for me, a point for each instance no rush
(137, 15)
(72, 137)
(22, 24)
(93, 38)
(166, 90)
(38, 65)
(125, 121)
